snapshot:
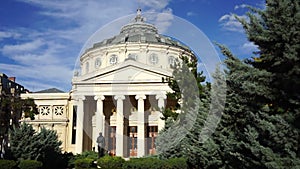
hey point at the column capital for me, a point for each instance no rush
(99, 97)
(140, 96)
(79, 97)
(161, 96)
(119, 97)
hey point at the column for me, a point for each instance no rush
(79, 125)
(99, 117)
(141, 144)
(161, 104)
(120, 126)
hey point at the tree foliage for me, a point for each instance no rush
(28, 144)
(185, 82)
(260, 123)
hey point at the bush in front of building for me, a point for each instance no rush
(155, 163)
(108, 162)
(7, 164)
(177, 163)
(84, 163)
(30, 164)
(145, 163)
(86, 154)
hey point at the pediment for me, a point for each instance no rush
(128, 72)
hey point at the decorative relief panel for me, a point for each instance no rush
(58, 110)
(45, 110)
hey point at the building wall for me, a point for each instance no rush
(8, 86)
(54, 114)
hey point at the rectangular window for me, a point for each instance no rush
(74, 125)
(152, 132)
(132, 141)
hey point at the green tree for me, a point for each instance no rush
(276, 32)
(250, 135)
(259, 126)
(186, 81)
(187, 85)
(11, 109)
(28, 144)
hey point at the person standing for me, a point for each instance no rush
(101, 145)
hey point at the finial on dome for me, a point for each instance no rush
(139, 17)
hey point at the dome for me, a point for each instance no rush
(138, 31)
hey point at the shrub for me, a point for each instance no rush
(84, 163)
(87, 154)
(62, 161)
(30, 164)
(155, 163)
(26, 143)
(108, 162)
(7, 164)
(177, 163)
(144, 163)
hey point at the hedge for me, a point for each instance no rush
(177, 163)
(30, 164)
(84, 163)
(155, 163)
(108, 162)
(7, 164)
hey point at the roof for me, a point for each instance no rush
(51, 90)
(139, 31)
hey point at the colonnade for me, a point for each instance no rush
(120, 136)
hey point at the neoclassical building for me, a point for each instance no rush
(119, 91)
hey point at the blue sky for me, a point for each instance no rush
(40, 40)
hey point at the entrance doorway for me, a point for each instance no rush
(112, 141)
(152, 134)
(132, 141)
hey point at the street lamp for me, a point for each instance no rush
(2, 134)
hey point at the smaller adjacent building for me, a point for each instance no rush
(8, 86)
(9, 91)
(53, 106)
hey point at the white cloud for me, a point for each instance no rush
(40, 75)
(155, 4)
(230, 23)
(236, 7)
(249, 47)
(21, 48)
(46, 54)
(163, 20)
(8, 34)
(191, 13)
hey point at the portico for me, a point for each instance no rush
(128, 122)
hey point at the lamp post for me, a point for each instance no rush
(2, 137)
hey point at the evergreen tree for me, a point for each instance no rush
(186, 81)
(23, 143)
(249, 134)
(26, 143)
(187, 87)
(276, 32)
(11, 109)
(259, 126)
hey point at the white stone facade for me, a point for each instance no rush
(119, 92)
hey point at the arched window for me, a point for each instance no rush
(171, 61)
(153, 58)
(87, 67)
(97, 63)
(113, 59)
